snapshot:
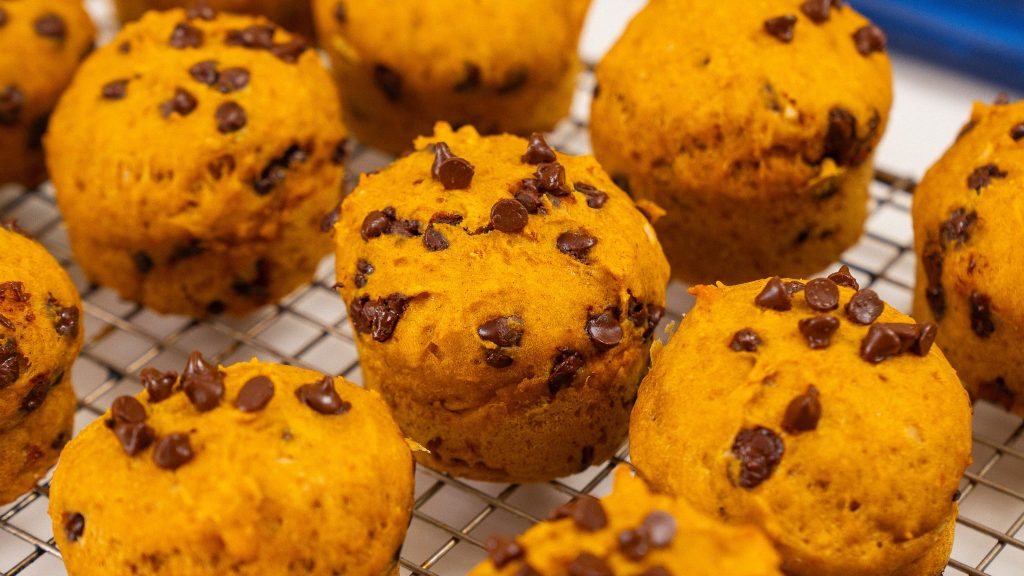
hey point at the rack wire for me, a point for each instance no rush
(452, 518)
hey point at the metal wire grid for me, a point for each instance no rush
(452, 518)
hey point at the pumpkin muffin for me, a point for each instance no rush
(292, 14)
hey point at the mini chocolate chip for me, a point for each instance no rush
(340, 153)
(115, 89)
(504, 331)
(868, 39)
(586, 564)
(981, 315)
(186, 35)
(256, 37)
(864, 307)
(551, 179)
(446, 218)
(509, 216)
(134, 437)
(781, 27)
(232, 79)
(661, 528)
(774, 296)
(159, 385)
(1017, 132)
(819, 330)
(470, 78)
(183, 103)
(12, 362)
(434, 240)
(803, 412)
(202, 382)
(759, 451)
(745, 340)
(290, 51)
(126, 410)
(816, 10)
(41, 386)
(173, 451)
(6, 322)
(604, 330)
(530, 197)
(255, 394)
(3, 17)
(74, 526)
(389, 81)
(66, 318)
(586, 512)
(143, 262)
(497, 359)
(843, 277)
(634, 544)
(375, 224)
(654, 315)
(514, 80)
(378, 317)
(201, 11)
(656, 571)
(216, 307)
(936, 297)
(577, 244)
(925, 339)
(538, 151)
(230, 117)
(956, 230)
(564, 368)
(51, 25)
(983, 175)
(841, 136)
(452, 172)
(323, 398)
(822, 295)
(11, 102)
(793, 287)
(595, 198)
(502, 550)
(364, 266)
(880, 343)
(340, 13)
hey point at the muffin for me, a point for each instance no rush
(503, 299)
(252, 469)
(194, 159)
(816, 412)
(40, 336)
(967, 229)
(402, 65)
(632, 531)
(41, 44)
(758, 142)
(292, 14)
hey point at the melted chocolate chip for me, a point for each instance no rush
(434, 240)
(550, 178)
(803, 412)
(3, 17)
(502, 550)
(134, 437)
(232, 79)
(983, 175)
(11, 102)
(470, 78)
(538, 151)
(781, 27)
(864, 307)
(378, 317)
(564, 368)
(843, 277)
(981, 315)
(115, 90)
(52, 26)
(759, 451)
(452, 172)
(74, 526)
(818, 331)
(173, 451)
(745, 340)
(230, 117)
(323, 398)
(388, 81)
(65, 318)
(586, 564)
(774, 296)
(159, 385)
(255, 394)
(40, 389)
(880, 343)
(183, 103)
(256, 37)
(504, 331)
(6, 322)
(869, 39)
(186, 35)
(595, 198)
(604, 330)
(275, 172)
(822, 295)
(586, 512)
(957, 229)
(509, 216)
(1017, 132)
(202, 382)
(576, 243)
(497, 359)
(841, 137)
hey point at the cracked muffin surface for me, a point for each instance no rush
(816, 412)
(250, 469)
(503, 298)
(758, 142)
(194, 158)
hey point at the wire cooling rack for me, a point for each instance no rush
(452, 518)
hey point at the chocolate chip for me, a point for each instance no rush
(232, 79)
(586, 512)
(841, 137)
(452, 172)
(340, 153)
(936, 297)
(340, 13)
(6, 322)
(256, 37)
(595, 198)
(201, 11)
(957, 228)
(654, 315)
(126, 410)
(1017, 132)
(374, 225)
(577, 244)
(290, 51)
(981, 315)
(159, 385)
(186, 35)
(998, 392)
(216, 307)
(115, 90)
(173, 451)
(470, 78)
(230, 117)
(378, 317)
(125, 47)
(656, 571)
(255, 394)
(793, 287)
(74, 526)
(864, 307)
(774, 296)
(604, 330)
(926, 337)
(275, 172)
(389, 81)
(983, 175)
(844, 278)
(134, 437)
(202, 382)
(781, 27)
(509, 216)
(816, 10)
(538, 151)
(503, 331)
(529, 196)
(15, 291)
(759, 451)
(634, 544)
(65, 318)
(587, 564)
(183, 103)
(323, 398)
(822, 295)
(365, 269)
(745, 340)
(1002, 99)
(12, 362)
(497, 359)
(40, 389)
(551, 179)
(50, 25)
(803, 412)
(446, 218)
(434, 240)
(818, 331)
(868, 39)
(502, 550)
(661, 528)
(564, 368)
(514, 80)
(11, 102)
(3, 17)
(880, 343)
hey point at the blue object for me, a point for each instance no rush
(984, 38)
